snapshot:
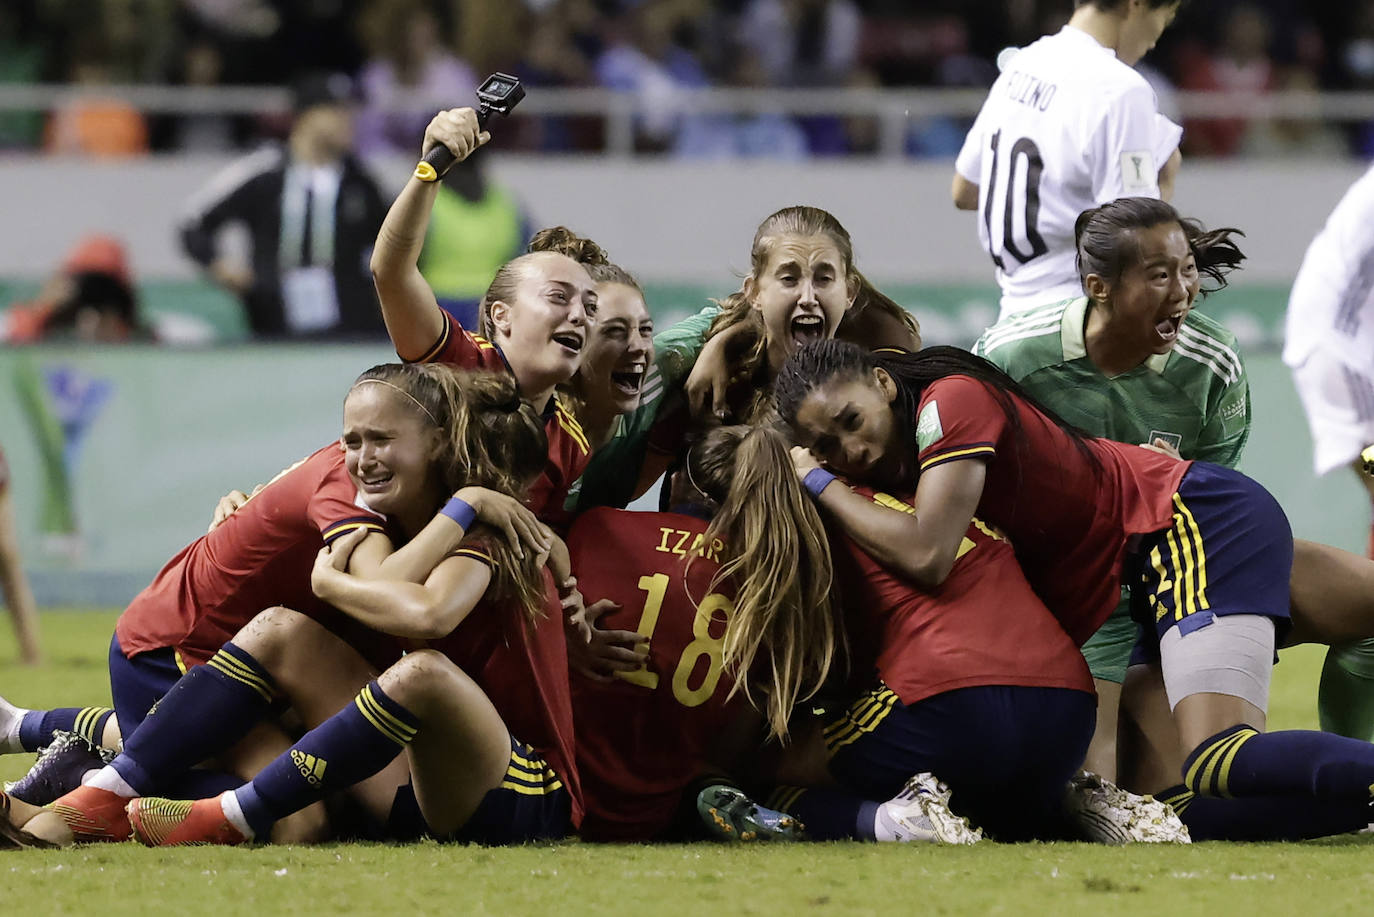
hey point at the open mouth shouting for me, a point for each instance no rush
(806, 328)
(1167, 327)
(571, 341)
(630, 380)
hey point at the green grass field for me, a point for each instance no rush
(1315, 878)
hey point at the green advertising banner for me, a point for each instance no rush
(118, 455)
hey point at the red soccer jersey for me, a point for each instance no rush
(259, 557)
(569, 451)
(523, 670)
(644, 736)
(982, 626)
(1069, 522)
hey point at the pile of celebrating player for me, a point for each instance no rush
(895, 594)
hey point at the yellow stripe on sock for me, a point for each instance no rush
(229, 666)
(1200, 775)
(382, 719)
(1224, 773)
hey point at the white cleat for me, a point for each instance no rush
(920, 814)
(1106, 814)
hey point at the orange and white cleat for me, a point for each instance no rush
(175, 823)
(93, 814)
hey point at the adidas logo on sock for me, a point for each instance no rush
(311, 767)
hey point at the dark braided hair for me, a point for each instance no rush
(819, 363)
(1104, 246)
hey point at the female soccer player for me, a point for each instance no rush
(619, 351)
(1068, 125)
(656, 737)
(479, 703)
(803, 285)
(534, 316)
(1206, 550)
(923, 667)
(400, 456)
(1132, 362)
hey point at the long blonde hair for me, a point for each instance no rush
(491, 439)
(735, 309)
(783, 639)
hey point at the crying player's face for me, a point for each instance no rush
(390, 448)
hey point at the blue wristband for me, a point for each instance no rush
(460, 511)
(816, 480)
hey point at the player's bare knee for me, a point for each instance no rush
(278, 637)
(420, 676)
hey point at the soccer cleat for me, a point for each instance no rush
(93, 814)
(1106, 814)
(175, 823)
(59, 769)
(730, 815)
(920, 813)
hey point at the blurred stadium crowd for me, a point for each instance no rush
(440, 48)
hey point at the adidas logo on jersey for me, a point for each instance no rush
(311, 767)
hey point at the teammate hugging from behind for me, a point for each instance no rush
(412, 436)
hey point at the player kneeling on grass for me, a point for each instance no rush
(487, 663)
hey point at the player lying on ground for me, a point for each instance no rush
(1207, 551)
(412, 436)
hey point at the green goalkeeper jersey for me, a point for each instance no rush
(610, 477)
(1195, 397)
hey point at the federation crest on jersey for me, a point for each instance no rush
(1171, 439)
(1138, 172)
(928, 428)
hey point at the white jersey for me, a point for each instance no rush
(1066, 127)
(1332, 303)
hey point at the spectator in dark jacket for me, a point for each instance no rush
(312, 213)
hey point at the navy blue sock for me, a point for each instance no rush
(199, 783)
(827, 814)
(1264, 818)
(1299, 763)
(209, 709)
(350, 746)
(37, 726)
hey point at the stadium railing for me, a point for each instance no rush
(893, 109)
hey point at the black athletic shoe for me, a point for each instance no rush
(59, 769)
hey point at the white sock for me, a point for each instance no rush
(107, 778)
(11, 717)
(229, 805)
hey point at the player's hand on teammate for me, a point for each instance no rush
(332, 561)
(709, 380)
(229, 504)
(1163, 448)
(803, 461)
(456, 129)
(574, 608)
(606, 652)
(511, 517)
